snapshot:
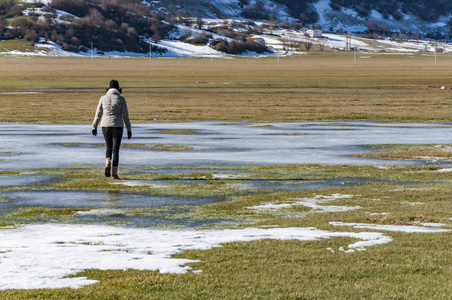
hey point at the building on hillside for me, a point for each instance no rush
(314, 33)
(436, 49)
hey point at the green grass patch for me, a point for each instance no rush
(165, 147)
(16, 45)
(419, 152)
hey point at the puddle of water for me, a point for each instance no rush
(10, 180)
(296, 185)
(20, 93)
(111, 207)
(157, 219)
(108, 199)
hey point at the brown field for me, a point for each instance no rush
(313, 87)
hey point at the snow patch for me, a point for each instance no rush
(314, 203)
(379, 214)
(43, 256)
(444, 170)
(101, 212)
(398, 228)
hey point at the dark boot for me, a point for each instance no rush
(107, 167)
(115, 173)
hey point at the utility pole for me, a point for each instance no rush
(348, 42)
(436, 47)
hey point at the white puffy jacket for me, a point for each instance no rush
(112, 109)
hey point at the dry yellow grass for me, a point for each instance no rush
(321, 86)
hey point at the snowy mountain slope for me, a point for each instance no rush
(330, 19)
(203, 8)
(349, 20)
(219, 9)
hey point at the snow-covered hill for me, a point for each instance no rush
(175, 41)
(219, 9)
(349, 20)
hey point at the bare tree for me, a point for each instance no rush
(322, 44)
(372, 27)
(385, 29)
(199, 22)
(307, 44)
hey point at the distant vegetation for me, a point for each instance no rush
(110, 25)
(114, 25)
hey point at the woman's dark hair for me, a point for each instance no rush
(114, 84)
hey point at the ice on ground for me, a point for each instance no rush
(233, 144)
(43, 256)
(147, 183)
(314, 203)
(399, 228)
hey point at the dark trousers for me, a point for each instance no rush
(113, 136)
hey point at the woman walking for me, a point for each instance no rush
(112, 109)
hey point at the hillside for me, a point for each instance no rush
(350, 18)
(123, 26)
(414, 16)
(199, 28)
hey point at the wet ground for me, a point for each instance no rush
(29, 146)
(227, 147)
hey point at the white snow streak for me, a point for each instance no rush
(314, 203)
(400, 228)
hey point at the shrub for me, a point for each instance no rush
(237, 46)
(32, 36)
(201, 39)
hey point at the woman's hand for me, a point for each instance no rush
(94, 132)
(129, 135)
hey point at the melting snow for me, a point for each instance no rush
(43, 256)
(314, 203)
(102, 212)
(444, 170)
(400, 228)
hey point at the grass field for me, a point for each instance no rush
(319, 86)
(314, 87)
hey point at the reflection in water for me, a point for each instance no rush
(23, 180)
(108, 207)
(114, 196)
(103, 199)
